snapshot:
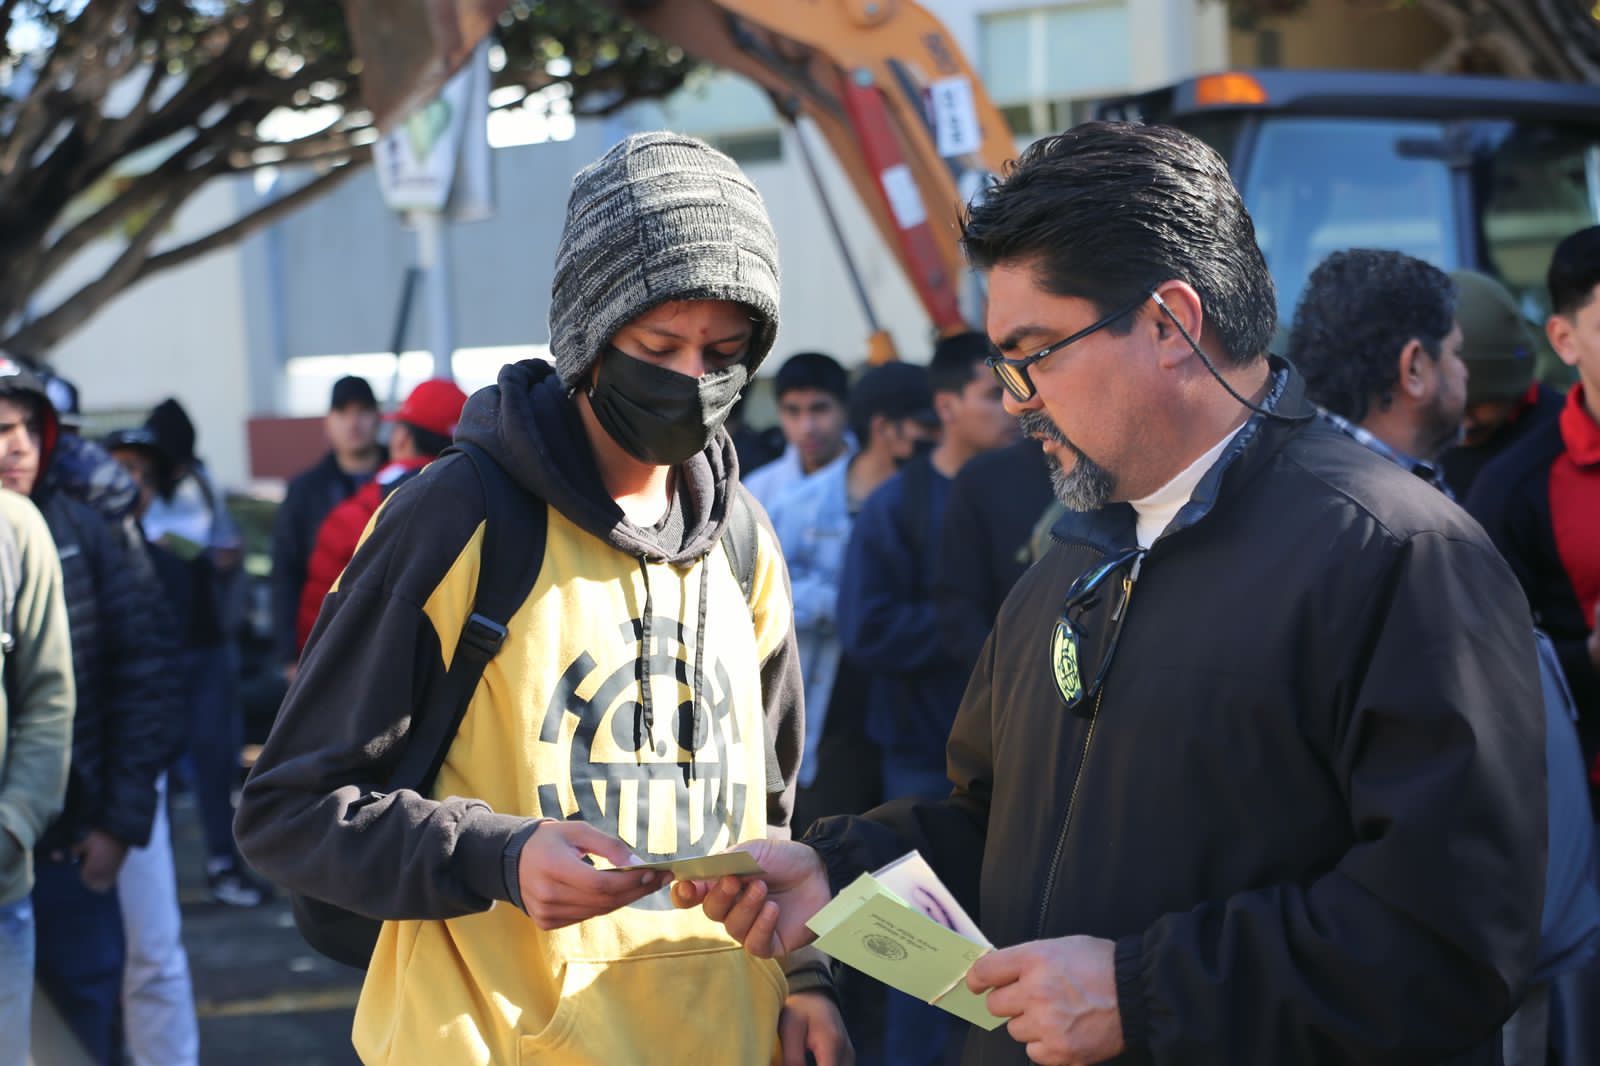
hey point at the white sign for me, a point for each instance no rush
(905, 199)
(955, 117)
(442, 149)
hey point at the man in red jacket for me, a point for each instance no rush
(423, 427)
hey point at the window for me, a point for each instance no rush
(1043, 67)
(1315, 186)
(1540, 182)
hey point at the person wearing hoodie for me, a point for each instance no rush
(122, 730)
(642, 704)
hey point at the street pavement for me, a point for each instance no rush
(263, 997)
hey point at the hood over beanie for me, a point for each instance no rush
(20, 384)
(1497, 343)
(660, 217)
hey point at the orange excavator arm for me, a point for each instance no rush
(886, 85)
(882, 80)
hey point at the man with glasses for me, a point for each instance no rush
(1241, 774)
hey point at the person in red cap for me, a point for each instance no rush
(423, 427)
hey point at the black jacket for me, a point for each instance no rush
(128, 722)
(1309, 807)
(996, 501)
(311, 496)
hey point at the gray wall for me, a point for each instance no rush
(342, 260)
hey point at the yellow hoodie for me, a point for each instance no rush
(557, 729)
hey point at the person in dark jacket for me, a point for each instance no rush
(1241, 776)
(1504, 402)
(1376, 337)
(889, 626)
(123, 731)
(423, 427)
(1540, 503)
(352, 428)
(1409, 309)
(996, 501)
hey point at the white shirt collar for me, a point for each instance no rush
(1157, 510)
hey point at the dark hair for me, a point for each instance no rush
(813, 370)
(426, 441)
(897, 391)
(954, 357)
(1108, 209)
(1358, 310)
(1574, 271)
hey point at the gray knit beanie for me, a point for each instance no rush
(660, 217)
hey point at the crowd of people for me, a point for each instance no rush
(1251, 702)
(138, 560)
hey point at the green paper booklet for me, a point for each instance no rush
(924, 947)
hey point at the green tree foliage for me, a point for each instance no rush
(115, 113)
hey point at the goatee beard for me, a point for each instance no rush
(1087, 486)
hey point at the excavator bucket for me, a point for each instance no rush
(408, 49)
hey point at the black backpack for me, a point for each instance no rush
(515, 524)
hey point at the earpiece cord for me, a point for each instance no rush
(1257, 408)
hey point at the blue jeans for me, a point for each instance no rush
(16, 980)
(915, 1033)
(215, 737)
(79, 956)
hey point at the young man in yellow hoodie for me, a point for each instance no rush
(641, 706)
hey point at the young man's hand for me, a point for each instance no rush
(100, 857)
(766, 914)
(811, 1022)
(559, 888)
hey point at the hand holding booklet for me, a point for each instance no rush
(704, 867)
(902, 925)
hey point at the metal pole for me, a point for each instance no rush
(402, 319)
(834, 228)
(433, 249)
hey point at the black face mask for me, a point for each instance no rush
(660, 416)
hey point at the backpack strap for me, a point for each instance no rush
(741, 542)
(514, 526)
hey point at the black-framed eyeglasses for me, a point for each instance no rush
(1013, 373)
(1069, 641)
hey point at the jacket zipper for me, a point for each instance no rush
(1077, 776)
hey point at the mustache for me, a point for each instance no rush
(1038, 424)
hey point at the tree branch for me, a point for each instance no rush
(43, 333)
(255, 220)
(143, 189)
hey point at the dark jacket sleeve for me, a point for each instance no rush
(135, 655)
(291, 548)
(1522, 535)
(1415, 946)
(316, 814)
(885, 621)
(950, 833)
(963, 584)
